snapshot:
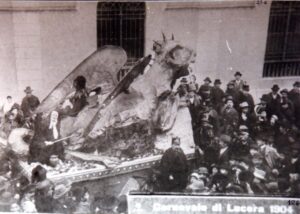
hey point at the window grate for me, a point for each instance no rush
(282, 56)
(122, 24)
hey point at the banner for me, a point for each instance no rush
(162, 204)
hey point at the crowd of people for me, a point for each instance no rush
(42, 144)
(241, 147)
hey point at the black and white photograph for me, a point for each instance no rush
(116, 107)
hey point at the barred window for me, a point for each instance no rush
(282, 56)
(122, 24)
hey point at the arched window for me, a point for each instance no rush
(282, 56)
(122, 24)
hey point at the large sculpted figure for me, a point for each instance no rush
(147, 95)
(140, 111)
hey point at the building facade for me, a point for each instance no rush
(42, 42)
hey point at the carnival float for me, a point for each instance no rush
(124, 129)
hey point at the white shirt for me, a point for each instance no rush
(7, 106)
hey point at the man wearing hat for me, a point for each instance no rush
(261, 114)
(183, 87)
(205, 89)
(238, 82)
(246, 118)
(29, 102)
(217, 95)
(294, 96)
(229, 116)
(286, 111)
(245, 96)
(174, 168)
(230, 91)
(274, 99)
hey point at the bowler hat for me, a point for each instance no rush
(183, 80)
(230, 83)
(207, 79)
(264, 98)
(203, 170)
(284, 91)
(297, 84)
(28, 89)
(275, 87)
(237, 73)
(244, 105)
(243, 128)
(228, 98)
(246, 87)
(218, 81)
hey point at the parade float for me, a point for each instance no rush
(125, 129)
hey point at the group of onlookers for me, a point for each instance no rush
(241, 147)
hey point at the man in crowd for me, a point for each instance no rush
(205, 89)
(230, 91)
(238, 82)
(245, 96)
(274, 100)
(217, 95)
(174, 168)
(7, 105)
(229, 116)
(193, 86)
(294, 96)
(29, 102)
(286, 111)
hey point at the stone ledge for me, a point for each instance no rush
(212, 4)
(37, 6)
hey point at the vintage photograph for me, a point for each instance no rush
(100, 100)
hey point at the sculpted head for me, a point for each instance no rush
(172, 54)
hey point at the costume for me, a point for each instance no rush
(38, 150)
(174, 169)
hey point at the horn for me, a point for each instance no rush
(164, 37)
(156, 42)
(172, 36)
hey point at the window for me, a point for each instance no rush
(122, 24)
(282, 56)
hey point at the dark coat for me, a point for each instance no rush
(38, 150)
(205, 91)
(238, 85)
(287, 113)
(273, 105)
(246, 98)
(174, 163)
(295, 98)
(217, 95)
(79, 101)
(229, 119)
(234, 94)
(29, 104)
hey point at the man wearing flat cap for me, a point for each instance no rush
(29, 102)
(205, 89)
(238, 82)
